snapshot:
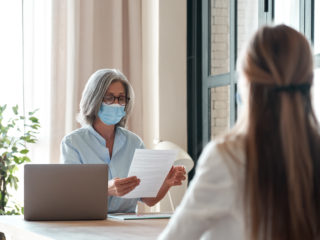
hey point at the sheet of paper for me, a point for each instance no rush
(151, 167)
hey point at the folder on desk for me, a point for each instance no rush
(135, 216)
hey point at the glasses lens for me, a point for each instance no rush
(122, 100)
(109, 99)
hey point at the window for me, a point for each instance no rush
(229, 25)
(316, 27)
(11, 52)
(316, 95)
(226, 26)
(287, 12)
(316, 48)
(25, 60)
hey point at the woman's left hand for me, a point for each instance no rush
(175, 176)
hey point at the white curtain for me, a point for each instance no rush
(37, 69)
(48, 51)
(86, 36)
(64, 43)
(25, 63)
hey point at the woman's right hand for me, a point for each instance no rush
(121, 186)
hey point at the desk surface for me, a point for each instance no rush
(16, 228)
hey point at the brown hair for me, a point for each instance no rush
(282, 181)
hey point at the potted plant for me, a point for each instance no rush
(15, 134)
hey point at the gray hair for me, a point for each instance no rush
(94, 91)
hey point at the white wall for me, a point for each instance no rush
(164, 47)
(172, 71)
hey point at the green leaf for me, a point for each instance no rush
(25, 159)
(31, 113)
(16, 160)
(29, 139)
(10, 180)
(24, 151)
(34, 119)
(14, 149)
(35, 126)
(15, 185)
(15, 109)
(2, 108)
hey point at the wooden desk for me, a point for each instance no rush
(16, 228)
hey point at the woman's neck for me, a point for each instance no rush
(106, 131)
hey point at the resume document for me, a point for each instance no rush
(151, 167)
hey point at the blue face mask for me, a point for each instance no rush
(111, 114)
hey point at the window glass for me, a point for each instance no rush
(316, 27)
(315, 90)
(11, 53)
(247, 22)
(220, 110)
(287, 12)
(220, 43)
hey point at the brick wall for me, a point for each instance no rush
(219, 110)
(247, 21)
(219, 36)
(220, 62)
(220, 54)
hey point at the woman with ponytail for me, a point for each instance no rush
(261, 181)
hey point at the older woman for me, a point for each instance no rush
(106, 102)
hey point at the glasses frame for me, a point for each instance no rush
(127, 99)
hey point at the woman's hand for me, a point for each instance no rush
(175, 176)
(121, 186)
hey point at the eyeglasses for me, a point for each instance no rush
(122, 100)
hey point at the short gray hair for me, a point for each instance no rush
(94, 91)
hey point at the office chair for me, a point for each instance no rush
(176, 193)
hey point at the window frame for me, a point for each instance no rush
(211, 81)
(200, 80)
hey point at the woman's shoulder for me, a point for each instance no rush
(77, 134)
(130, 135)
(227, 151)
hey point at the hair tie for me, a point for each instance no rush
(293, 88)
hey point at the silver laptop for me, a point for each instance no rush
(65, 191)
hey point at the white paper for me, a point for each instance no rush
(151, 167)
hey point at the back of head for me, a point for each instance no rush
(283, 162)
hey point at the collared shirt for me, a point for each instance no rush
(86, 146)
(212, 207)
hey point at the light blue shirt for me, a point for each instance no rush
(85, 145)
